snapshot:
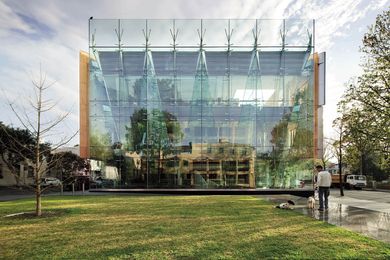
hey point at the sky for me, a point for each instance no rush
(49, 35)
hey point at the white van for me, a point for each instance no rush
(355, 181)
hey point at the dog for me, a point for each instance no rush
(311, 202)
(286, 205)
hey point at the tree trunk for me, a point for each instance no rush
(38, 207)
(341, 167)
(341, 181)
(323, 163)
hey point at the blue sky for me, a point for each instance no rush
(52, 33)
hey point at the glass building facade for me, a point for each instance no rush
(201, 103)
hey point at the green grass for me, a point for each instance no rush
(174, 227)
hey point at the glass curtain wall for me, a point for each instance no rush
(201, 103)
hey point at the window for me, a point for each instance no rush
(181, 106)
(30, 172)
(229, 165)
(172, 163)
(199, 166)
(243, 179)
(214, 166)
(213, 176)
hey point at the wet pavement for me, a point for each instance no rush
(362, 219)
(372, 200)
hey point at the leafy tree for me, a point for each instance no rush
(278, 134)
(136, 132)
(100, 146)
(369, 97)
(66, 164)
(366, 104)
(139, 130)
(278, 139)
(166, 89)
(16, 149)
(175, 135)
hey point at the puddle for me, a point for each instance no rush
(371, 223)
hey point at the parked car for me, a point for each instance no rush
(102, 183)
(50, 181)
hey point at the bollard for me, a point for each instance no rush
(83, 187)
(73, 189)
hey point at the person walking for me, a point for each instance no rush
(324, 180)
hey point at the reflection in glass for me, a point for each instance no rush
(174, 105)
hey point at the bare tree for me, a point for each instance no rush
(338, 142)
(327, 153)
(36, 119)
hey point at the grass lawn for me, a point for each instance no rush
(171, 227)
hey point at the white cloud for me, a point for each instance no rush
(10, 20)
(67, 21)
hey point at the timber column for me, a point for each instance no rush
(84, 104)
(315, 105)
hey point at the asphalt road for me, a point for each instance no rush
(377, 196)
